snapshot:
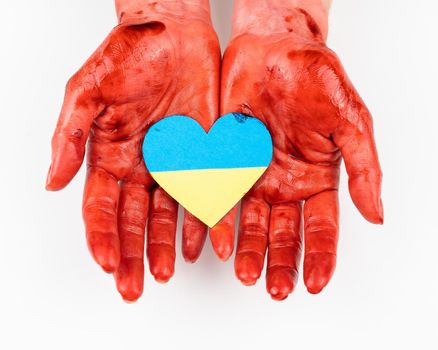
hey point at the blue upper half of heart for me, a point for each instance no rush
(180, 143)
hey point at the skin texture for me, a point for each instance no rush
(279, 69)
(141, 73)
(262, 17)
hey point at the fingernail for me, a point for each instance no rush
(190, 257)
(280, 283)
(162, 273)
(314, 291)
(381, 212)
(130, 293)
(224, 252)
(247, 270)
(223, 241)
(49, 178)
(107, 257)
(277, 295)
(315, 283)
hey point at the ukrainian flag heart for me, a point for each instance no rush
(208, 173)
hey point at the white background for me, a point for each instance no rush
(385, 290)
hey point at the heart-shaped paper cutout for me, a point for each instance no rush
(208, 173)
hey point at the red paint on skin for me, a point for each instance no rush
(298, 87)
(290, 80)
(141, 73)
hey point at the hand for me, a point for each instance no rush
(147, 68)
(279, 69)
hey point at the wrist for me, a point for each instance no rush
(142, 11)
(280, 16)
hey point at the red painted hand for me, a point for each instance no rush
(150, 67)
(298, 88)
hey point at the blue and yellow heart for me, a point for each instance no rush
(208, 173)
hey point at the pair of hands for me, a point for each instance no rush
(164, 59)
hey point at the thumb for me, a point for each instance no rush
(81, 105)
(358, 148)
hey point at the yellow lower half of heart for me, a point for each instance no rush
(208, 194)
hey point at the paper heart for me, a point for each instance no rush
(208, 173)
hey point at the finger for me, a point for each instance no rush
(132, 215)
(284, 250)
(194, 234)
(222, 235)
(163, 215)
(100, 203)
(356, 142)
(253, 238)
(81, 105)
(321, 228)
